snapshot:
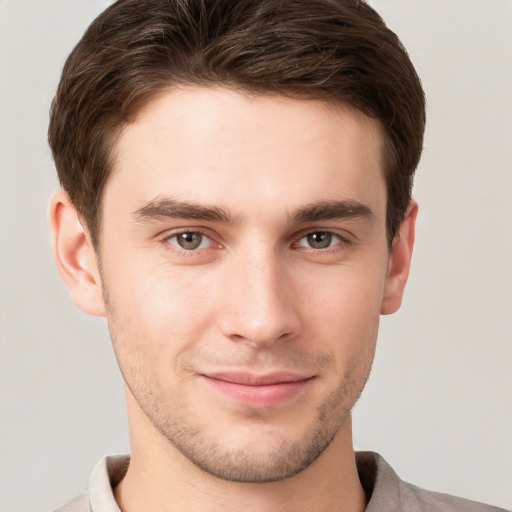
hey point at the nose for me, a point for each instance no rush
(260, 304)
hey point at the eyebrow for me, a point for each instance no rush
(330, 210)
(168, 208)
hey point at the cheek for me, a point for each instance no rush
(344, 313)
(157, 311)
(349, 296)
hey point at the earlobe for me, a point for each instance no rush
(74, 255)
(399, 262)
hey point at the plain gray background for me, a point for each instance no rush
(439, 403)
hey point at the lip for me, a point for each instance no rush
(255, 390)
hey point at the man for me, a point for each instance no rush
(237, 202)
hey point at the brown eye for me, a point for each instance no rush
(319, 240)
(189, 240)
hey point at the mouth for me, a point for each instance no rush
(255, 390)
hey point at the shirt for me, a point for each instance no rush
(385, 491)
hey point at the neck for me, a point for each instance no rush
(161, 478)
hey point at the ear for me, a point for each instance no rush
(399, 262)
(74, 255)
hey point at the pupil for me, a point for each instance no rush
(190, 240)
(319, 240)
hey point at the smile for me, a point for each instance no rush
(258, 390)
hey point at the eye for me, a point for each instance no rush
(319, 240)
(189, 240)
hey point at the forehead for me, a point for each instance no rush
(236, 150)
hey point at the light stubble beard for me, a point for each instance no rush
(248, 463)
(251, 464)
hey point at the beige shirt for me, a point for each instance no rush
(384, 490)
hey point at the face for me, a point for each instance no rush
(244, 264)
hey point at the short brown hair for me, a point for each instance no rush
(336, 50)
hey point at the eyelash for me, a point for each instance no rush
(182, 250)
(332, 237)
(340, 241)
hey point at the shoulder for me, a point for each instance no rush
(99, 497)
(79, 504)
(386, 491)
(429, 501)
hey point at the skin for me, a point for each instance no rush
(279, 206)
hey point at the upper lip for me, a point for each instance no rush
(252, 379)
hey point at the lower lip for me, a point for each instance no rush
(259, 396)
